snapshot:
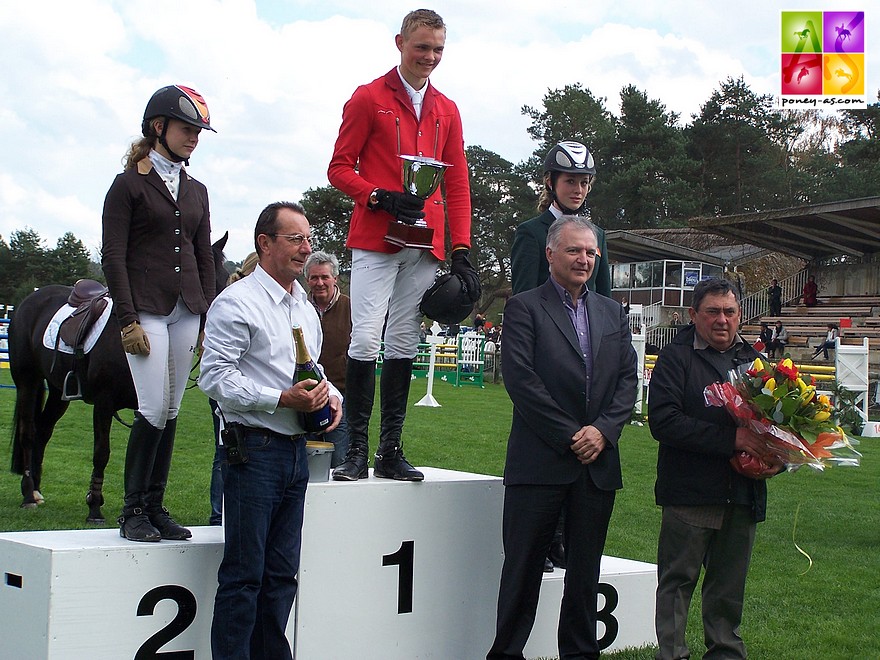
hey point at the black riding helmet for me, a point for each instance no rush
(446, 300)
(569, 157)
(176, 102)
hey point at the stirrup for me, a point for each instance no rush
(71, 390)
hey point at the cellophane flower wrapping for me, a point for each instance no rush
(799, 426)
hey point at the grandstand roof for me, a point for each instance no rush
(818, 231)
(682, 243)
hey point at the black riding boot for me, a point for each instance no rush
(134, 524)
(360, 390)
(393, 394)
(159, 516)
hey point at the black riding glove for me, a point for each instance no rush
(462, 267)
(405, 207)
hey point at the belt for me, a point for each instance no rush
(252, 430)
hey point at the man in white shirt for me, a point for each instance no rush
(248, 367)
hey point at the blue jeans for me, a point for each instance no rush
(263, 529)
(218, 470)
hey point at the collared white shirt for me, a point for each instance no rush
(415, 95)
(168, 170)
(249, 355)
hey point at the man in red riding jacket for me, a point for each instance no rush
(399, 114)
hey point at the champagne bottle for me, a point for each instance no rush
(306, 369)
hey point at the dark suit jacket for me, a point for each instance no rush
(528, 259)
(544, 374)
(155, 249)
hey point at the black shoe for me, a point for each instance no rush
(168, 528)
(557, 554)
(137, 527)
(391, 464)
(548, 565)
(354, 466)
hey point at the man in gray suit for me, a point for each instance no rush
(570, 370)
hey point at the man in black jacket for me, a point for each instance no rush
(570, 370)
(709, 510)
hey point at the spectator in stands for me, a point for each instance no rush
(765, 337)
(774, 295)
(778, 340)
(811, 290)
(830, 337)
(492, 333)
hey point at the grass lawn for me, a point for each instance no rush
(829, 611)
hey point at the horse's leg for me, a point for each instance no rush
(44, 426)
(102, 419)
(28, 401)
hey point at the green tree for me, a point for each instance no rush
(739, 142)
(329, 212)
(651, 177)
(69, 261)
(859, 155)
(7, 281)
(30, 263)
(501, 199)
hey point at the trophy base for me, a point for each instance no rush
(410, 236)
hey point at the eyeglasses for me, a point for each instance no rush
(293, 239)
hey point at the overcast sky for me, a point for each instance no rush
(77, 75)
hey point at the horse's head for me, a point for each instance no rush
(221, 275)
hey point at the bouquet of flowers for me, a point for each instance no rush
(777, 404)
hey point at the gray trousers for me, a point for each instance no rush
(682, 551)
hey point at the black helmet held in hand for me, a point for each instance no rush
(177, 102)
(447, 300)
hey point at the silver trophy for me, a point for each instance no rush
(421, 177)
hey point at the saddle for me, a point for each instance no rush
(90, 300)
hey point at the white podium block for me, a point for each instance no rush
(92, 594)
(626, 607)
(394, 569)
(388, 570)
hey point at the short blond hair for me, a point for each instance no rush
(419, 18)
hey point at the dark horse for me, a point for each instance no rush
(39, 373)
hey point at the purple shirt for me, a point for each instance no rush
(577, 313)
